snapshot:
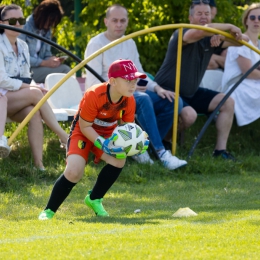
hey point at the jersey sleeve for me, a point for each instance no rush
(88, 106)
(129, 115)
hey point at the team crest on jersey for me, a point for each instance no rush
(81, 144)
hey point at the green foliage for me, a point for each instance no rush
(146, 14)
(142, 14)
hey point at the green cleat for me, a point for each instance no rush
(96, 205)
(46, 214)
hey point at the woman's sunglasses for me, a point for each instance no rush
(13, 21)
(253, 17)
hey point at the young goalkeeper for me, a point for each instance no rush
(100, 109)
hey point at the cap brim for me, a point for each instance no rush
(140, 75)
(135, 75)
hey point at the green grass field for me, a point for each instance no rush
(224, 194)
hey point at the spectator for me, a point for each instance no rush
(21, 96)
(213, 8)
(239, 61)
(196, 52)
(4, 148)
(46, 16)
(154, 105)
(217, 60)
(99, 111)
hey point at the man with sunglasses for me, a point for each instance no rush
(196, 53)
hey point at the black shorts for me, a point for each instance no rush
(201, 100)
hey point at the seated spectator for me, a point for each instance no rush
(217, 60)
(239, 61)
(154, 105)
(22, 97)
(46, 16)
(197, 50)
(4, 148)
(213, 8)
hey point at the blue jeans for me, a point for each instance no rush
(155, 115)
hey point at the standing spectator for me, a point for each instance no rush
(154, 105)
(21, 96)
(46, 16)
(196, 52)
(102, 106)
(239, 61)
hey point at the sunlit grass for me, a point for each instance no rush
(224, 194)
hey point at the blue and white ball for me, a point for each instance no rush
(131, 137)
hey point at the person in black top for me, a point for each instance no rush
(196, 53)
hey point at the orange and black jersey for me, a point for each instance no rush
(96, 107)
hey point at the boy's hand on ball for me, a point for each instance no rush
(107, 145)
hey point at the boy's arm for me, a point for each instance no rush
(106, 145)
(87, 130)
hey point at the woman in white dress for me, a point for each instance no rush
(22, 97)
(238, 61)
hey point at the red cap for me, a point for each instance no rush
(124, 69)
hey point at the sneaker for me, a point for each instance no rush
(4, 147)
(171, 162)
(46, 214)
(96, 205)
(143, 158)
(224, 154)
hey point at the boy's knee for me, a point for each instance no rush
(73, 175)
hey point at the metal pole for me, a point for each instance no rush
(77, 7)
(177, 91)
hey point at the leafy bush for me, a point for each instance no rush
(142, 14)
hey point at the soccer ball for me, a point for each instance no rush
(131, 137)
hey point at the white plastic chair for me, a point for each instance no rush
(67, 96)
(212, 79)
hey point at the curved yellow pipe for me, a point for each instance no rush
(108, 46)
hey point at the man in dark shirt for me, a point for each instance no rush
(196, 53)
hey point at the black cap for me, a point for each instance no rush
(212, 3)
